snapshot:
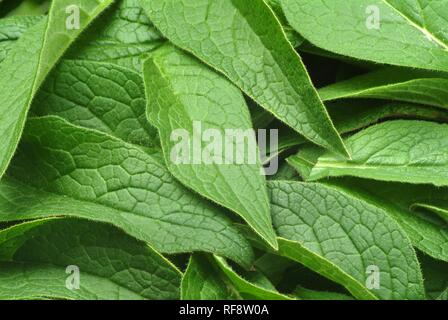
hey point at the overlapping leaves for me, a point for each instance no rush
(87, 114)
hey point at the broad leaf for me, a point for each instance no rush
(211, 278)
(11, 29)
(100, 96)
(427, 233)
(63, 170)
(418, 86)
(39, 259)
(349, 116)
(257, 288)
(320, 227)
(121, 36)
(186, 102)
(244, 40)
(402, 150)
(293, 37)
(404, 33)
(203, 281)
(29, 62)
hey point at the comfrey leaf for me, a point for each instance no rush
(121, 36)
(189, 103)
(401, 150)
(427, 233)
(417, 86)
(353, 115)
(203, 281)
(65, 259)
(320, 227)
(259, 289)
(31, 59)
(211, 278)
(11, 29)
(100, 96)
(245, 41)
(397, 32)
(64, 170)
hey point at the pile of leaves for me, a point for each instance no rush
(93, 207)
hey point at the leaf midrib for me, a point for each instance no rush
(423, 30)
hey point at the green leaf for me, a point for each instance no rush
(305, 160)
(274, 267)
(257, 289)
(293, 37)
(442, 212)
(185, 101)
(285, 172)
(121, 36)
(211, 278)
(203, 281)
(100, 96)
(397, 32)
(61, 169)
(320, 227)
(12, 29)
(429, 234)
(349, 116)
(39, 253)
(401, 150)
(244, 40)
(29, 62)
(308, 294)
(30, 7)
(417, 86)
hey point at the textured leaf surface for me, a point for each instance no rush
(211, 278)
(259, 289)
(183, 93)
(417, 86)
(402, 150)
(202, 281)
(29, 62)
(409, 33)
(349, 116)
(11, 29)
(320, 227)
(427, 234)
(121, 36)
(38, 253)
(68, 170)
(100, 96)
(244, 40)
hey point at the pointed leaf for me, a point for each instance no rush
(321, 227)
(29, 62)
(397, 32)
(186, 100)
(245, 41)
(39, 254)
(401, 150)
(66, 170)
